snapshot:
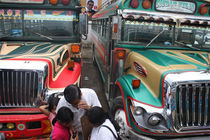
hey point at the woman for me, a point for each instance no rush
(104, 127)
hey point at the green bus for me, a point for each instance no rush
(154, 60)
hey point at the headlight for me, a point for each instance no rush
(10, 125)
(1, 125)
(138, 111)
(154, 120)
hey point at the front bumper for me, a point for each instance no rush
(135, 136)
(25, 126)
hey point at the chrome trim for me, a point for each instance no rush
(190, 95)
(21, 82)
(206, 105)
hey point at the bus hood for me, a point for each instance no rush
(151, 66)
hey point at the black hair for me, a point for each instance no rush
(97, 116)
(52, 101)
(90, 1)
(71, 93)
(64, 114)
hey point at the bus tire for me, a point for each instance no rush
(117, 104)
(119, 116)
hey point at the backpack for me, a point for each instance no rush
(116, 137)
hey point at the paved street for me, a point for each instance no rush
(90, 75)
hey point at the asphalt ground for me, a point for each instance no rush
(91, 76)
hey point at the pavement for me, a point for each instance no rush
(91, 76)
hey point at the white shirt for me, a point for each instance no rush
(89, 96)
(103, 133)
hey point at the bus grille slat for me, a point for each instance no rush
(18, 88)
(193, 105)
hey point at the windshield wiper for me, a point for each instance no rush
(155, 38)
(184, 45)
(43, 35)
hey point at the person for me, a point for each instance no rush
(104, 127)
(50, 108)
(62, 124)
(89, 8)
(78, 100)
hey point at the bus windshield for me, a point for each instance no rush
(160, 34)
(38, 24)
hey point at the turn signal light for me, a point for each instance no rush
(203, 9)
(65, 2)
(146, 4)
(75, 48)
(48, 127)
(136, 83)
(71, 64)
(53, 1)
(120, 54)
(115, 28)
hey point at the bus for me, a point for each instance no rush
(40, 54)
(154, 60)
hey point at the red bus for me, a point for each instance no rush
(40, 43)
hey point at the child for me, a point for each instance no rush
(49, 109)
(62, 123)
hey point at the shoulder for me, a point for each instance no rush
(86, 92)
(57, 133)
(90, 96)
(60, 132)
(62, 102)
(89, 90)
(109, 124)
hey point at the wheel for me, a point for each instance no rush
(118, 113)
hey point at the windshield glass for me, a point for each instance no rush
(39, 24)
(160, 34)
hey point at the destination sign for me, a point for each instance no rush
(23, 1)
(175, 6)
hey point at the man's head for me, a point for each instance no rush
(96, 115)
(72, 94)
(90, 5)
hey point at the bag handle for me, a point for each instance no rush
(110, 130)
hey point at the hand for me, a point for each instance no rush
(83, 105)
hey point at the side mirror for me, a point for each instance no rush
(83, 24)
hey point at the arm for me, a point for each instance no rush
(44, 110)
(94, 99)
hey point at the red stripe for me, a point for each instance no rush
(65, 78)
(118, 83)
(98, 44)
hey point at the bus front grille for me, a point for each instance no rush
(193, 106)
(18, 88)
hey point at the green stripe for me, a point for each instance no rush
(163, 59)
(196, 57)
(141, 94)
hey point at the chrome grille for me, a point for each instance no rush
(193, 106)
(18, 88)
